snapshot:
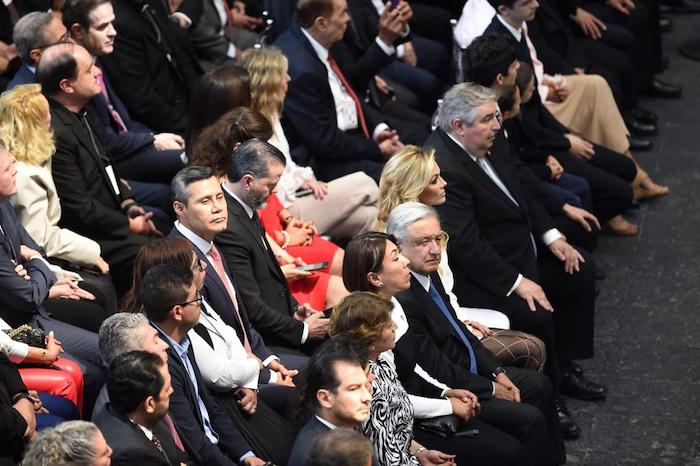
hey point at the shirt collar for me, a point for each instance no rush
(203, 245)
(517, 33)
(324, 422)
(246, 207)
(320, 50)
(180, 348)
(146, 431)
(422, 279)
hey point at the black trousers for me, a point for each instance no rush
(120, 255)
(608, 174)
(533, 421)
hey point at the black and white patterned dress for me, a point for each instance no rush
(390, 422)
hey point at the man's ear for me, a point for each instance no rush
(458, 126)
(149, 404)
(324, 398)
(247, 180)
(66, 86)
(499, 79)
(35, 55)
(77, 32)
(179, 208)
(176, 313)
(502, 10)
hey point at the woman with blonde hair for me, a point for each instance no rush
(412, 175)
(340, 208)
(25, 127)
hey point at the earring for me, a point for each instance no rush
(380, 285)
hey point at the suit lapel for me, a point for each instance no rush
(433, 311)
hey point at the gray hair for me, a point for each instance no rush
(185, 177)
(406, 214)
(29, 33)
(253, 158)
(461, 102)
(118, 335)
(69, 443)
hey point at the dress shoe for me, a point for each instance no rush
(576, 386)
(644, 115)
(666, 24)
(659, 88)
(640, 128)
(569, 429)
(639, 144)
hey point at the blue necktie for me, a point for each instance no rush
(441, 304)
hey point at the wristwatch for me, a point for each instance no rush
(498, 370)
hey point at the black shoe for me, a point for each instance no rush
(569, 429)
(640, 128)
(666, 24)
(575, 385)
(639, 144)
(644, 115)
(662, 89)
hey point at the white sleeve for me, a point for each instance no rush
(424, 408)
(14, 350)
(219, 371)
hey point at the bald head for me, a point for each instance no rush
(66, 73)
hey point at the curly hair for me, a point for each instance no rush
(267, 67)
(404, 178)
(23, 115)
(361, 316)
(215, 144)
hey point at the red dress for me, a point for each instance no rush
(311, 289)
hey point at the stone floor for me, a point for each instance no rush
(648, 312)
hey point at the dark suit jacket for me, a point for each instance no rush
(210, 46)
(20, 298)
(119, 145)
(12, 424)
(489, 235)
(184, 409)
(130, 445)
(88, 202)
(537, 119)
(433, 343)
(263, 288)
(23, 76)
(306, 436)
(309, 111)
(154, 77)
(217, 296)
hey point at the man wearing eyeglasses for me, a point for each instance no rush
(172, 303)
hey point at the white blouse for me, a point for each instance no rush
(226, 365)
(293, 175)
(14, 350)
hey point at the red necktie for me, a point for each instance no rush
(173, 432)
(221, 272)
(351, 93)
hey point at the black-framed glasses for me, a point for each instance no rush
(197, 300)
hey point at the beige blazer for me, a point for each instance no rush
(37, 206)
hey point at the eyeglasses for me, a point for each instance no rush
(199, 265)
(197, 300)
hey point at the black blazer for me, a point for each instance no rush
(12, 424)
(489, 235)
(20, 298)
(302, 445)
(433, 343)
(119, 145)
(185, 412)
(263, 288)
(309, 110)
(154, 77)
(217, 296)
(89, 204)
(130, 445)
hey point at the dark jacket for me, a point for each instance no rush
(263, 288)
(12, 424)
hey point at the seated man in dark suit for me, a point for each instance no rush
(448, 352)
(504, 249)
(172, 303)
(322, 111)
(135, 423)
(152, 67)
(140, 154)
(254, 170)
(32, 33)
(95, 201)
(336, 394)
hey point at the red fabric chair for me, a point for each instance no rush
(63, 378)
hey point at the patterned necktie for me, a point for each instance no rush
(351, 93)
(441, 304)
(113, 113)
(221, 272)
